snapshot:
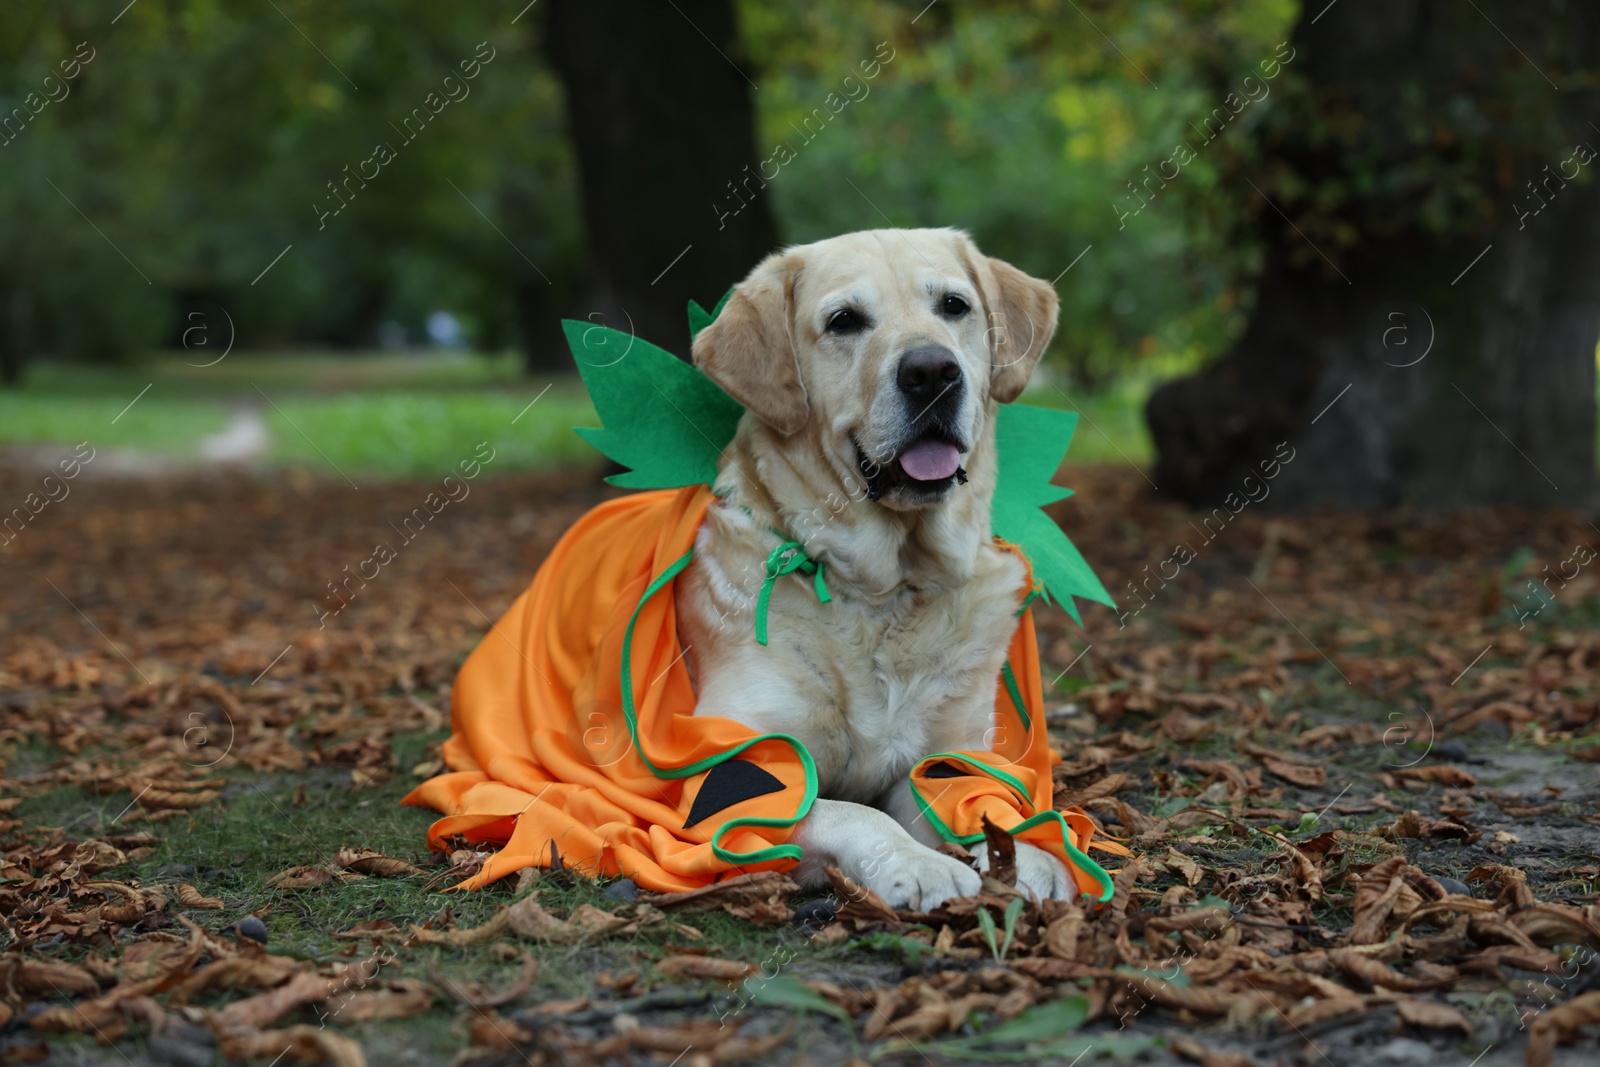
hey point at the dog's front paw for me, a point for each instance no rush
(916, 878)
(1039, 874)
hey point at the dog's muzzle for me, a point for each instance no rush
(927, 461)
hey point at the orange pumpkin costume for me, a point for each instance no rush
(574, 738)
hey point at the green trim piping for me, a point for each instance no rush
(1089, 866)
(629, 712)
(788, 558)
(1015, 692)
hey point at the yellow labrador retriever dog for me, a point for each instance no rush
(871, 365)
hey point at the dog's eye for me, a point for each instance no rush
(953, 306)
(845, 320)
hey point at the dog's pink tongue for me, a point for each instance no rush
(930, 461)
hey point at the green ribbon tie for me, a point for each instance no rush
(788, 558)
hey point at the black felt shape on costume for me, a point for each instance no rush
(728, 783)
(944, 770)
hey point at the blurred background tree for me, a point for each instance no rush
(1426, 318)
(206, 137)
(203, 132)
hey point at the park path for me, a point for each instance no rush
(245, 438)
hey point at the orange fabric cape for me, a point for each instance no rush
(574, 738)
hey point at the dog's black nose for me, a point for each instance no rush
(927, 373)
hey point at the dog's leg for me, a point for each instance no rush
(874, 850)
(1039, 874)
(902, 806)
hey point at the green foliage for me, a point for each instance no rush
(1040, 1022)
(987, 929)
(997, 947)
(1041, 1032)
(782, 991)
(1020, 123)
(201, 135)
(909, 947)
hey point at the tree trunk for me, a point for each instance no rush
(662, 123)
(14, 331)
(1429, 338)
(544, 345)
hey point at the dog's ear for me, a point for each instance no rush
(749, 349)
(1022, 314)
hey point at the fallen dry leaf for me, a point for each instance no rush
(528, 918)
(308, 1044)
(859, 907)
(264, 1009)
(403, 999)
(706, 967)
(308, 877)
(368, 861)
(492, 930)
(190, 897)
(235, 973)
(1301, 774)
(47, 977)
(1414, 825)
(1442, 773)
(1432, 1015)
(478, 997)
(1002, 849)
(1560, 1025)
(760, 897)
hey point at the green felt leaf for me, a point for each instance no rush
(663, 419)
(700, 318)
(1026, 440)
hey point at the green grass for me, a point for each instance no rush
(410, 434)
(399, 415)
(161, 424)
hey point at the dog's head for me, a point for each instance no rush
(885, 348)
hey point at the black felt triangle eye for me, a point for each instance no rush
(728, 783)
(944, 770)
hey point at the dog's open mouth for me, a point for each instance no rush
(926, 466)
